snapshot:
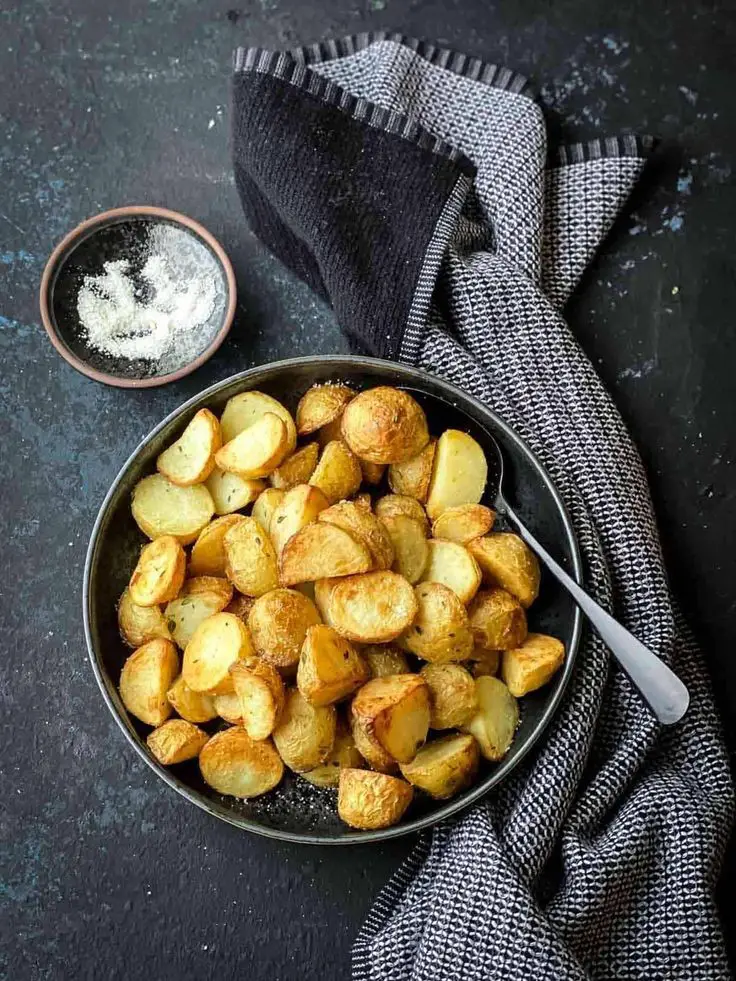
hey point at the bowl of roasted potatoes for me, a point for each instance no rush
(306, 616)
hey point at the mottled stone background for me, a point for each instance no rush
(105, 872)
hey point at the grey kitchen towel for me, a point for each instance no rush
(382, 160)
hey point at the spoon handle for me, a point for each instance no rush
(660, 688)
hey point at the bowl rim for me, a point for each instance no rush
(451, 807)
(127, 211)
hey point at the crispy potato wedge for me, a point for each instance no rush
(297, 468)
(463, 523)
(368, 800)
(506, 561)
(145, 679)
(176, 741)
(411, 549)
(495, 722)
(364, 526)
(484, 663)
(445, 766)
(194, 706)
(191, 458)
(320, 405)
(230, 492)
(162, 508)
(497, 619)
(139, 624)
(531, 664)
(320, 551)
(199, 598)
(384, 425)
(240, 606)
(234, 764)
(372, 472)
(372, 608)
(452, 696)
(370, 748)
(395, 710)
(441, 630)
(400, 504)
(228, 708)
(453, 565)
(278, 624)
(329, 667)
(322, 596)
(266, 505)
(299, 507)
(383, 660)
(159, 574)
(251, 563)
(208, 552)
(305, 734)
(338, 474)
(411, 478)
(245, 409)
(459, 473)
(258, 450)
(261, 695)
(344, 754)
(217, 643)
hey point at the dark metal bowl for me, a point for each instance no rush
(296, 810)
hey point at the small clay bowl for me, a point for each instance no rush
(122, 234)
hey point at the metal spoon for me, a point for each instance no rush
(660, 687)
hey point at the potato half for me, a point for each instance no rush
(278, 625)
(445, 766)
(506, 561)
(176, 741)
(395, 710)
(372, 608)
(229, 708)
(401, 504)
(384, 659)
(208, 552)
(441, 630)
(496, 719)
(251, 563)
(258, 450)
(409, 541)
(162, 508)
(194, 706)
(320, 551)
(305, 733)
(159, 574)
(452, 696)
(321, 405)
(329, 667)
(261, 695)
(484, 663)
(463, 523)
(231, 492)
(199, 598)
(191, 458)
(265, 507)
(497, 619)
(337, 474)
(459, 473)
(344, 754)
(232, 763)
(364, 526)
(139, 624)
(245, 409)
(297, 468)
(217, 643)
(145, 679)
(370, 748)
(385, 425)
(368, 800)
(453, 565)
(412, 477)
(531, 664)
(298, 507)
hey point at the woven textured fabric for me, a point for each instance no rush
(599, 856)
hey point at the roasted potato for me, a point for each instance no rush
(384, 425)
(191, 458)
(305, 734)
(298, 508)
(383, 660)
(199, 598)
(241, 606)
(531, 664)
(265, 507)
(329, 433)
(261, 695)
(320, 551)
(496, 719)
(329, 667)
(506, 561)
(278, 625)
(159, 574)
(368, 800)
(401, 504)
(337, 474)
(364, 526)
(497, 619)
(463, 523)
(372, 608)
(372, 472)
(251, 563)
(453, 565)
(242, 411)
(395, 710)
(410, 546)
(321, 405)
(230, 492)
(176, 741)
(364, 502)
(229, 708)
(232, 763)
(370, 748)
(297, 468)
(145, 679)
(208, 552)
(445, 766)
(441, 630)
(194, 706)
(459, 473)
(217, 643)
(344, 754)
(322, 596)
(484, 663)
(139, 624)
(452, 696)
(411, 478)
(162, 508)
(258, 450)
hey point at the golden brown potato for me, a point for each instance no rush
(329, 667)
(452, 697)
(199, 598)
(344, 754)
(384, 425)
(459, 473)
(497, 619)
(321, 405)
(194, 706)
(531, 665)
(229, 708)
(191, 458)
(370, 748)
(453, 565)
(372, 608)
(260, 691)
(218, 642)
(383, 660)
(159, 574)
(364, 526)
(251, 563)
(372, 472)
(395, 710)
(299, 507)
(323, 595)
(320, 551)
(278, 624)
(139, 624)
(240, 606)
(232, 763)
(463, 523)
(305, 734)
(208, 552)
(495, 722)
(441, 630)
(266, 506)
(145, 679)
(329, 433)
(506, 561)
(445, 766)
(338, 474)
(230, 492)
(176, 741)
(364, 502)
(245, 409)
(411, 478)
(411, 549)
(368, 800)
(161, 508)
(400, 504)
(297, 468)
(258, 450)
(484, 663)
